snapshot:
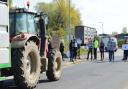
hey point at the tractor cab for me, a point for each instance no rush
(24, 23)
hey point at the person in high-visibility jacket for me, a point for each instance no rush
(96, 45)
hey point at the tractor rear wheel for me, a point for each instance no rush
(26, 66)
(54, 65)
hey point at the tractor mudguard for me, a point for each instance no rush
(20, 43)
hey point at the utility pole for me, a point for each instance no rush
(102, 27)
(69, 22)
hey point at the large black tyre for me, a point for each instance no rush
(26, 66)
(1, 84)
(54, 65)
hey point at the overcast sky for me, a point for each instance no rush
(113, 13)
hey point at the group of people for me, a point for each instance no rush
(74, 47)
(92, 48)
(93, 45)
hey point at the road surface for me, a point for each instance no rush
(89, 75)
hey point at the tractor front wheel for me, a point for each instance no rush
(26, 66)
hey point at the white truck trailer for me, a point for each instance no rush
(84, 33)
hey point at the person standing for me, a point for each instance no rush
(78, 51)
(75, 49)
(111, 49)
(90, 49)
(96, 43)
(62, 50)
(125, 48)
(102, 50)
(71, 51)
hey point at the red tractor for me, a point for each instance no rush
(30, 55)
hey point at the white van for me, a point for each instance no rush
(105, 40)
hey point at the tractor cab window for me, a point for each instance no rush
(31, 24)
(11, 22)
(22, 23)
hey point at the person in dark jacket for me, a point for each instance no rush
(125, 48)
(102, 50)
(90, 49)
(71, 48)
(78, 51)
(111, 49)
(62, 50)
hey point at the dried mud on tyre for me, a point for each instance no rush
(54, 65)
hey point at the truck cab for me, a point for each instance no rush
(4, 35)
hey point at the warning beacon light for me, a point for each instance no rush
(28, 3)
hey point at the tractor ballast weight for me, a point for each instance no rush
(29, 50)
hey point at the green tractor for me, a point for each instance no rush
(24, 51)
